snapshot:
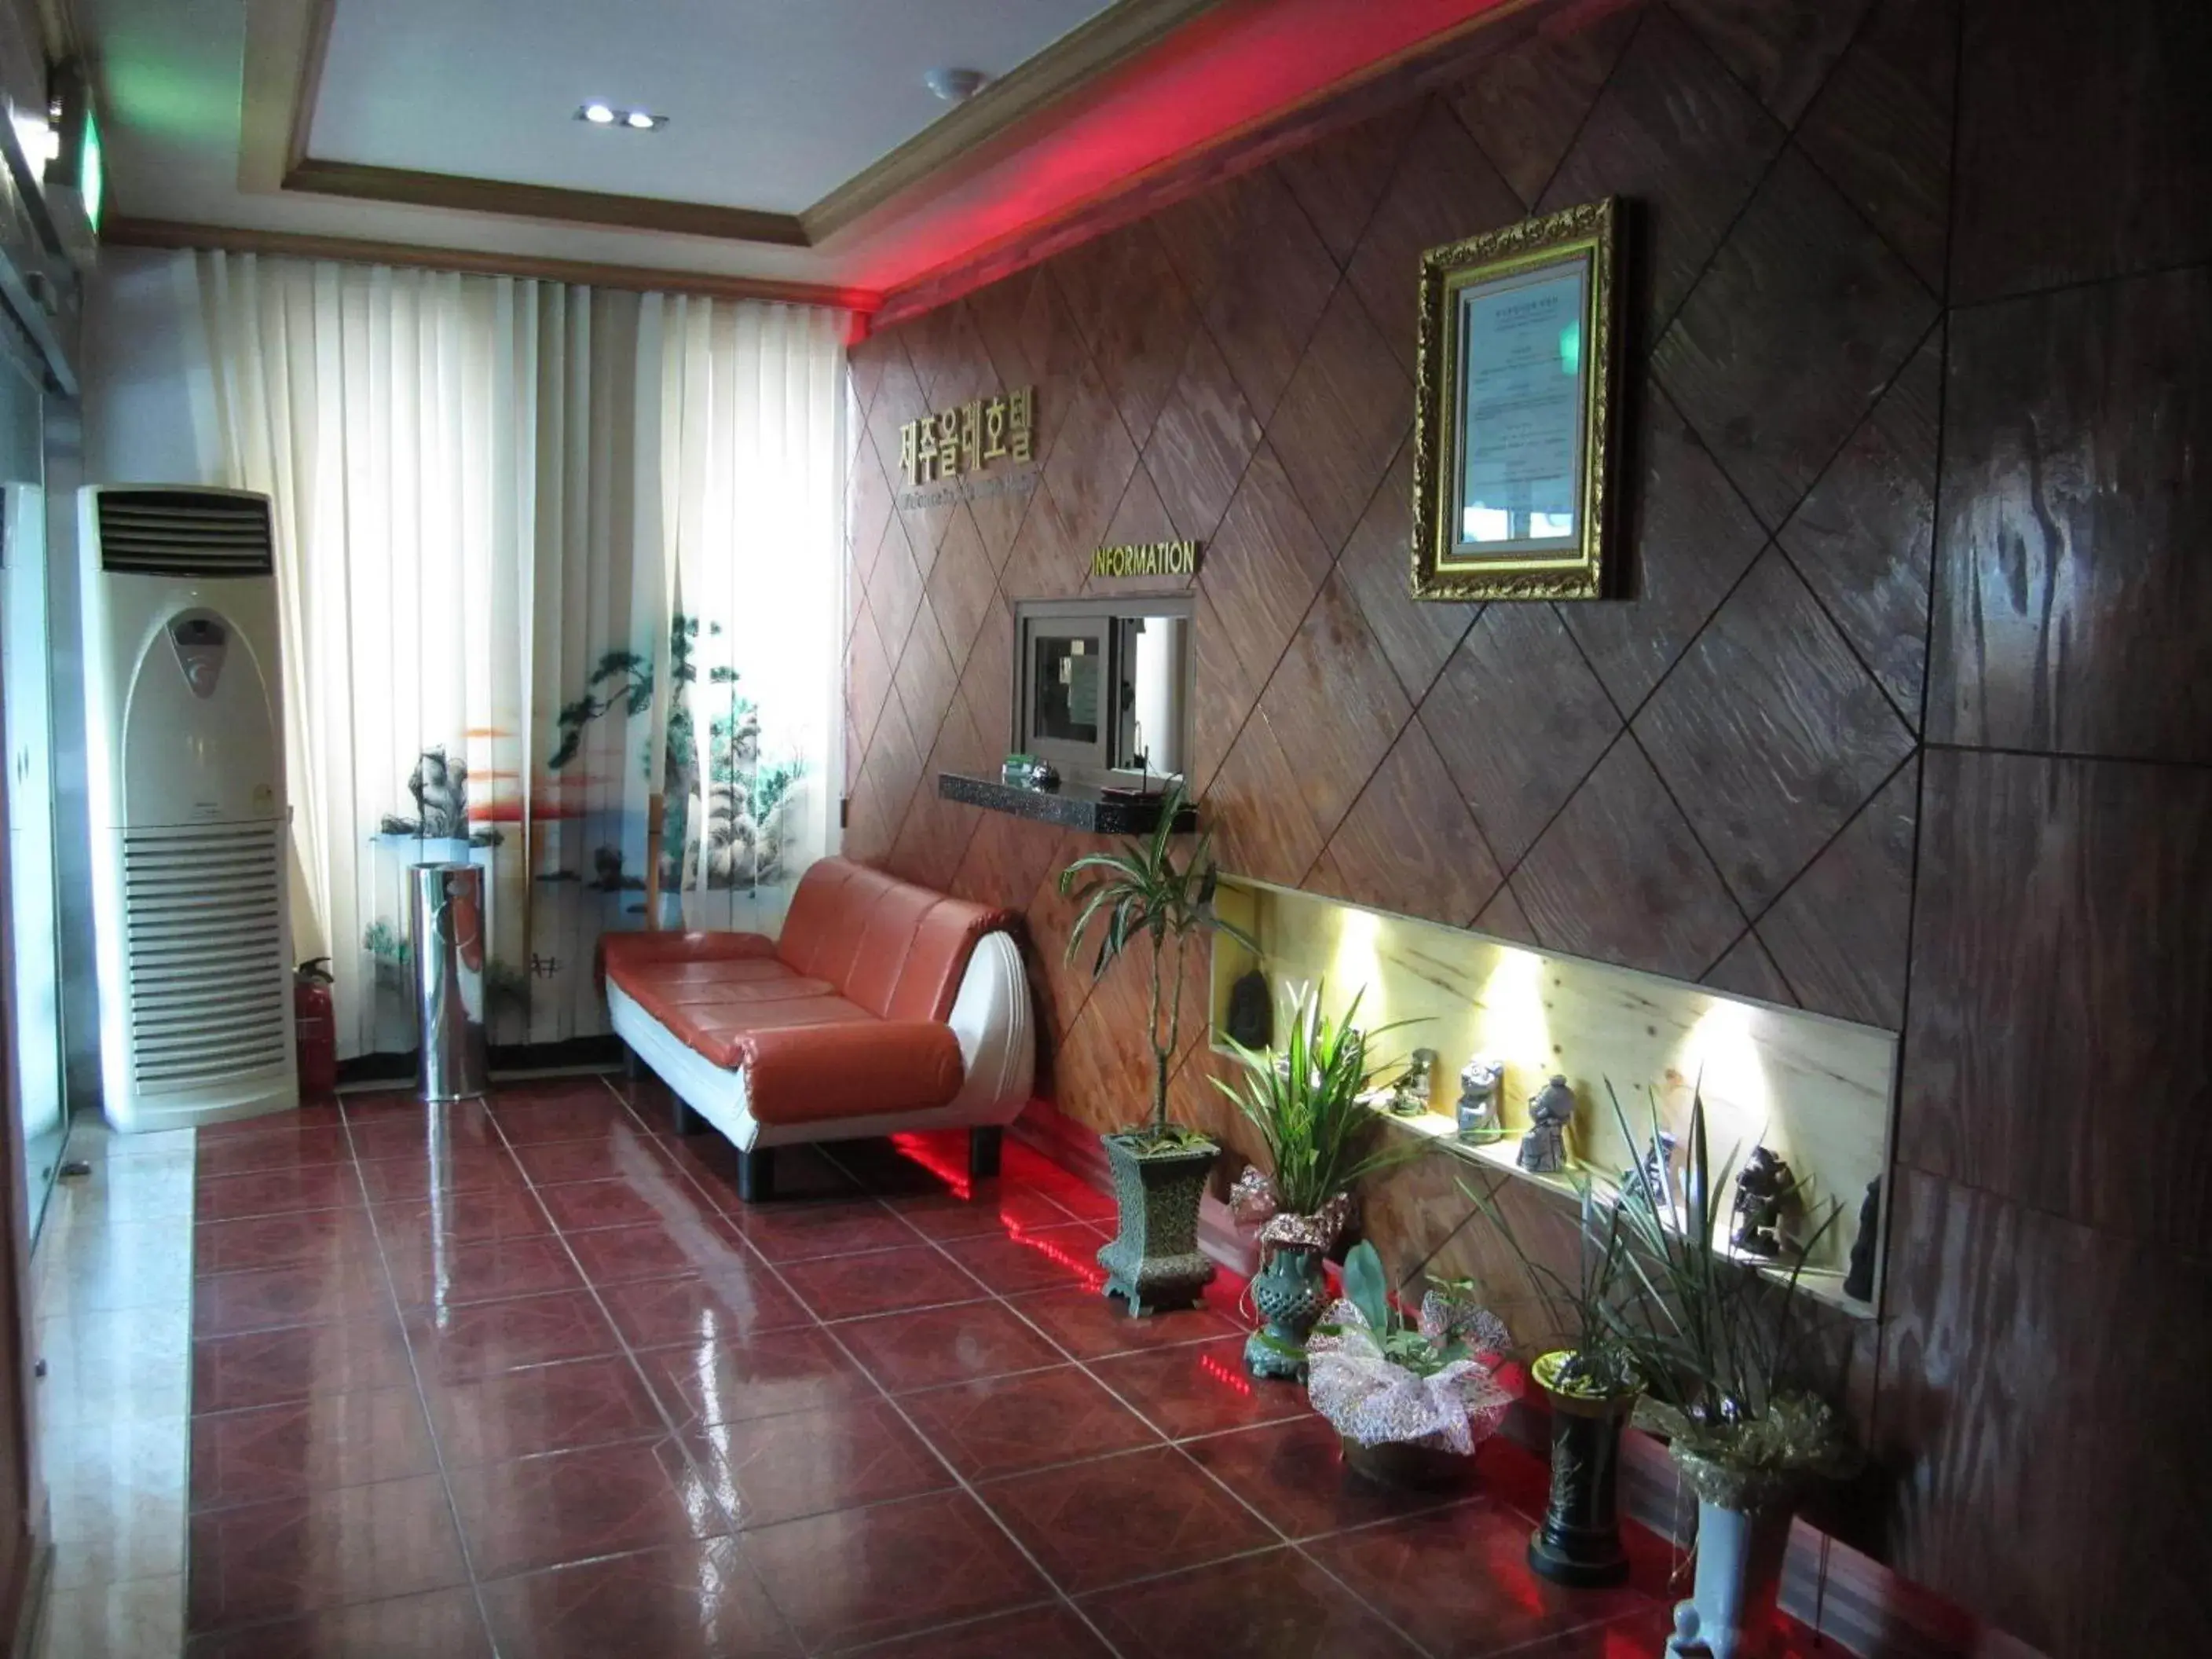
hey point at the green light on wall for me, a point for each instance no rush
(1571, 347)
(92, 172)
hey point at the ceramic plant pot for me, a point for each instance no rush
(1410, 1464)
(1579, 1542)
(1730, 1614)
(1292, 1292)
(1154, 1261)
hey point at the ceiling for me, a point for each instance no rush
(802, 146)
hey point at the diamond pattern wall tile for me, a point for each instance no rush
(1256, 805)
(946, 350)
(1338, 183)
(1089, 466)
(1006, 858)
(1139, 519)
(1769, 732)
(1748, 971)
(2114, 174)
(1409, 843)
(1063, 987)
(1790, 336)
(2061, 964)
(999, 517)
(867, 675)
(1864, 539)
(1691, 539)
(1264, 566)
(986, 679)
(1026, 329)
(2071, 606)
(1445, 190)
(1782, 51)
(933, 840)
(1221, 693)
(1260, 276)
(1503, 918)
(1525, 105)
(867, 503)
(1204, 435)
(1343, 416)
(1416, 636)
(1138, 348)
(1519, 721)
(926, 678)
(895, 589)
(887, 780)
(962, 586)
(1674, 132)
(1333, 703)
(1838, 933)
(898, 400)
(866, 362)
(1881, 128)
(1044, 562)
(1620, 834)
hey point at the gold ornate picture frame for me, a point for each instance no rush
(1517, 389)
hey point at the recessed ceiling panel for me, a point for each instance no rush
(772, 104)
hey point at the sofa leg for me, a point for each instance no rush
(633, 1067)
(757, 1175)
(682, 1118)
(983, 1143)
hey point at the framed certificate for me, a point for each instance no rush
(1513, 435)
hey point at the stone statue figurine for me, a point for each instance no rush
(1859, 1283)
(1544, 1148)
(1480, 1083)
(1656, 1175)
(1766, 1198)
(1409, 1096)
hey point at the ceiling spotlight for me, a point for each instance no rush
(955, 86)
(639, 120)
(599, 115)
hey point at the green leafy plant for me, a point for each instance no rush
(1599, 1362)
(1141, 892)
(1368, 1289)
(1303, 1100)
(1722, 1349)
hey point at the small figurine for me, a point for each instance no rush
(1656, 1175)
(1859, 1282)
(1409, 1095)
(1544, 1148)
(1765, 1201)
(1479, 1084)
(1251, 1011)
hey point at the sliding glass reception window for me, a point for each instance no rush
(1102, 687)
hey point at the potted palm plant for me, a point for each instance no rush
(1140, 894)
(1410, 1400)
(1591, 1384)
(1303, 1100)
(1720, 1353)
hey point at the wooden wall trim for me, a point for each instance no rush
(231, 239)
(285, 42)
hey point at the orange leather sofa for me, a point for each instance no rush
(883, 1006)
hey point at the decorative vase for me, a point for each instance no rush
(1410, 1464)
(1730, 1614)
(1579, 1542)
(1292, 1292)
(1154, 1261)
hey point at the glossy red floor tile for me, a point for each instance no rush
(314, 1293)
(1051, 1258)
(429, 1272)
(847, 1286)
(899, 1568)
(1199, 1388)
(579, 1206)
(283, 1145)
(995, 1207)
(574, 1505)
(419, 1180)
(768, 1469)
(802, 1232)
(803, 1173)
(1007, 1425)
(528, 1121)
(308, 1445)
(501, 1212)
(675, 1248)
(1457, 1580)
(1274, 1606)
(406, 1129)
(622, 1154)
(444, 1623)
(278, 1192)
(545, 1408)
(935, 1345)
(323, 1549)
(1293, 1474)
(1047, 1633)
(1090, 1325)
(708, 1382)
(266, 1368)
(742, 1302)
(295, 1239)
(484, 1338)
(689, 1601)
(1094, 1524)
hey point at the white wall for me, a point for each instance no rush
(138, 387)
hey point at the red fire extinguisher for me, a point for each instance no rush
(315, 1020)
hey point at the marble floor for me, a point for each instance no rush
(527, 1379)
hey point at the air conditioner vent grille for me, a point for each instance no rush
(184, 533)
(206, 903)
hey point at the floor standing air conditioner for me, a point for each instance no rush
(185, 744)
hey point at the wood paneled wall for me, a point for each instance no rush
(1909, 719)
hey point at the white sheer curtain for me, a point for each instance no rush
(544, 552)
